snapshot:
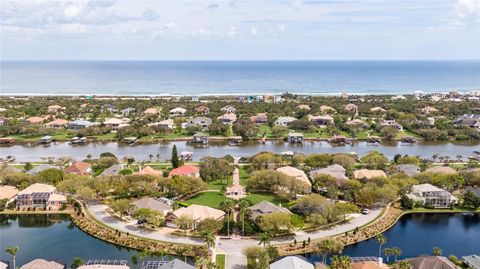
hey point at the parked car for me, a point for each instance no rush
(365, 211)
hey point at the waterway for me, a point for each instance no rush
(34, 152)
(55, 237)
(417, 234)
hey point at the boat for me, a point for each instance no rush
(262, 140)
(10, 159)
(78, 140)
(234, 140)
(45, 140)
(474, 156)
(409, 140)
(130, 140)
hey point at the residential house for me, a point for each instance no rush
(284, 121)
(398, 97)
(391, 123)
(327, 109)
(469, 120)
(473, 261)
(351, 108)
(377, 109)
(147, 170)
(335, 170)
(164, 124)
(41, 196)
(446, 170)
(112, 170)
(116, 124)
(431, 262)
(35, 120)
(203, 122)
(368, 174)
(228, 118)
(303, 107)
(39, 168)
(178, 111)
(260, 118)
(408, 169)
(296, 174)
(204, 110)
(58, 123)
(108, 108)
(55, 109)
(151, 111)
(197, 213)
(185, 170)
(81, 124)
(127, 111)
(266, 207)
(229, 109)
(8, 193)
(292, 262)
(153, 204)
(322, 120)
(369, 265)
(173, 264)
(43, 264)
(429, 195)
(79, 168)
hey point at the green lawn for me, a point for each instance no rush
(220, 261)
(264, 129)
(217, 184)
(244, 174)
(211, 199)
(256, 198)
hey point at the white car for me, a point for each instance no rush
(365, 211)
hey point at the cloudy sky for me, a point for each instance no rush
(240, 30)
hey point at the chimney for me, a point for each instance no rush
(380, 261)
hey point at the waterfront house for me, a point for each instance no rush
(43, 264)
(335, 170)
(153, 204)
(229, 109)
(473, 261)
(8, 193)
(178, 111)
(173, 264)
(185, 170)
(431, 262)
(327, 109)
(115, 124)
(368, 174)
(469, 120)
(203, 110)
(39, 168)
(4, 264)
(58, 123)
(303, 107)
(164, 124)
(260, 118)
(429, 195)
(35, 120)
(369, 265)
(79, 168)
(200, 138)
(41, 196)
(266, 207)
(294, 138)
(284, 121)
(291, 262)
(81, 124)
(197, 213)
(408, 169)
(147, 170)
(151, 111)
(112, 170)
(55, 109)
(202, 122)
(296, 174)
(445, 170)
(228, 118)
(391, 123)
(322, 120)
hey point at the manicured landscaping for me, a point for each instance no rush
(220, 261)
(217, 184)
(212, 199)
(256, 198)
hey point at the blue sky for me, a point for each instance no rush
(240, 30)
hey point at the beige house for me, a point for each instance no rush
(42, 264)
(368, 174)
(41, 196)
(151, 111)
(446, 170)
(227, 118)
(377, 109)
(297, 174)
(58, 123)
(8, 193)
(116, 124)
(55, 108)
(327, 109)
(147, 170)
(197, 213)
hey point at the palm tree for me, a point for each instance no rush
(13, 252)
(327, 246)
(144, 254)
(264, 238)
(382, 240)
(158, 157)
(228, 206)
(184, 222)
(396, 252)
(89, 156)
(208, 238)
(403, 265)
(150, 156)
(341, 262)
(243, 205)
(436, 251)
(388, 252)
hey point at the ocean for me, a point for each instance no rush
(235, 77)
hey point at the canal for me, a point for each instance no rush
(34, 152)
(55, 237)
(416, 234)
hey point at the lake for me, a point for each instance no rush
(54, 237)
(417, 234)
(34, 152)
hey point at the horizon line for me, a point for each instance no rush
(236, 60)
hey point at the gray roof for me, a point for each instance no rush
(200, 121)
(334, 170)
(474, 190)
(176, 264)
(37, 169)
(472, 261)
(112, 170)
(408, 169)
(291, 262)
(152, 204)
(265, 207)
(9, 170)
(431, 262)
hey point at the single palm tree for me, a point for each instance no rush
(150, 156)
(436, 251)
(382, 240)
(396, 252)
(208, 238)
(144, 254)
(327, 246)
(264, 238)
(13, 252)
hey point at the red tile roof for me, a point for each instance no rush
(184, 171)
(79, 168)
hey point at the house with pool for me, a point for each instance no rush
(429, 195)
(40, 196)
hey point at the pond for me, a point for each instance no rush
(55, 237)
(34, 152)
(417, 234)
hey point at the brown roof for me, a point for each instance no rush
(57, 122)
(42, 264)
(369, 265)
(295, 173)
(368, 174)
(8, 192)
(431, 262)
(79, 168)
(147, 170)
(441, 170)
(35, 119)
(199, 212)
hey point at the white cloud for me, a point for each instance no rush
(253, 31)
